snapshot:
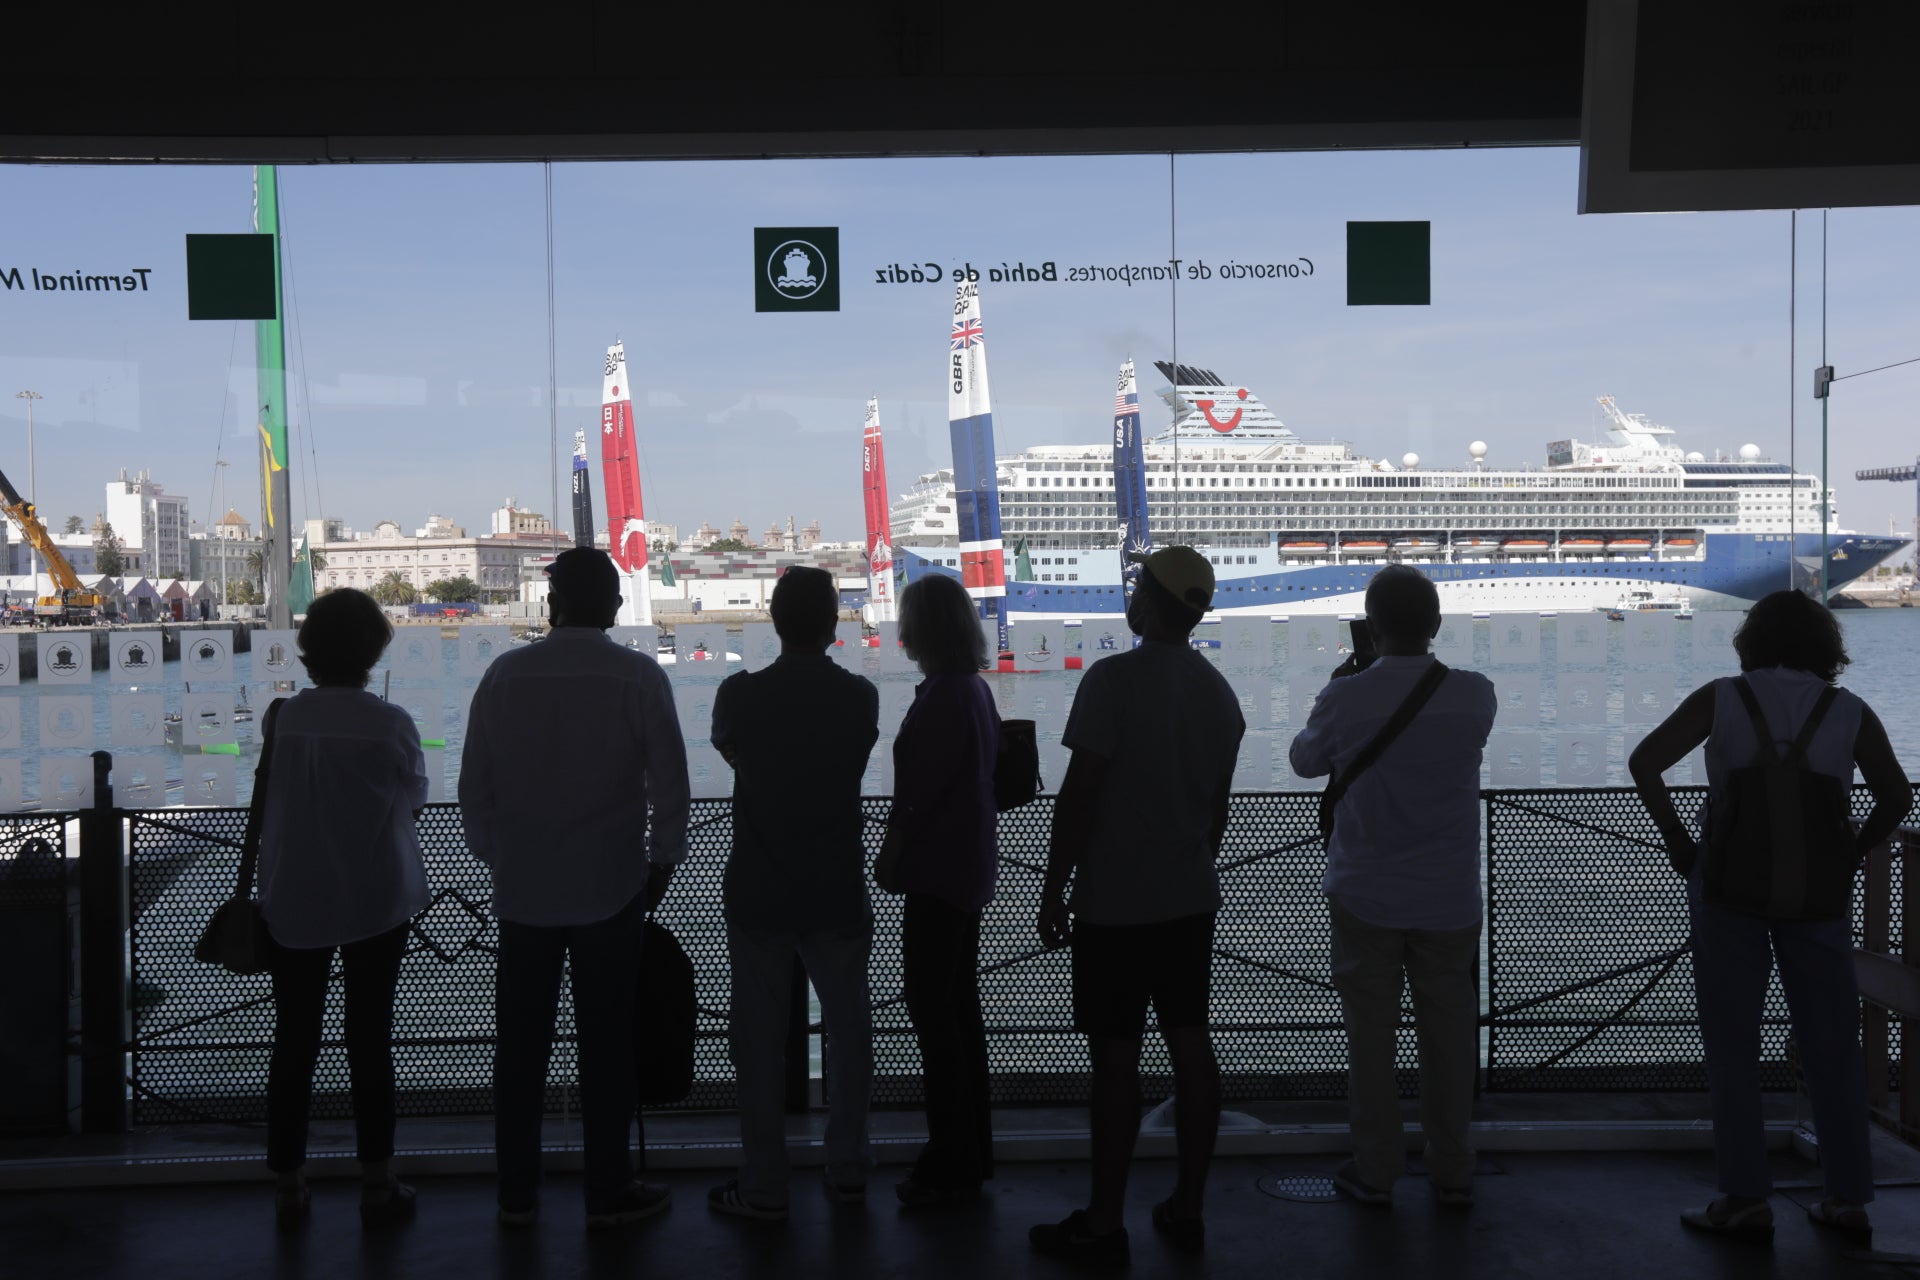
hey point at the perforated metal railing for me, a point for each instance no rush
(1588, 984)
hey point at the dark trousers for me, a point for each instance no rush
(370, 970)
(940, 955)
(604, 959)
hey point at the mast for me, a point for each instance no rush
(582, 493)
(880, 601)
(620, 463)
(1130, 478)
(976, 479)
(270, 350)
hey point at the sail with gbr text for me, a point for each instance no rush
(976, 480)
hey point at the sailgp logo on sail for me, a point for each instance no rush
(796, 268)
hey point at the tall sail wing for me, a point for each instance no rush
(1130, 477)
(582, 493)
(880, 601)
(976, 481)
(620, 462)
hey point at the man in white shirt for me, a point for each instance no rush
(569, 741)
(1403, 886)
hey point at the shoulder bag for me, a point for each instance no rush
(236, 938)
(1396, 724)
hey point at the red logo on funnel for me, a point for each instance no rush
(1206, 410)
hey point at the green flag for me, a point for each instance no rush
(666, 571)
(300, 586)
(1022, 562)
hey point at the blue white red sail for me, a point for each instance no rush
(873, 466)
(620, 462)
(1130, 478)
(976, 479)
(582, 493)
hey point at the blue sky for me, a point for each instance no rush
(420, 354)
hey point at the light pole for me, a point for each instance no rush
(33, 496)
(219, 537)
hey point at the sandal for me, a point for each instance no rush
(1752, 1224)
(1843, 1218)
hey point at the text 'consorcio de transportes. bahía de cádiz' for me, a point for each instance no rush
(1129, 273)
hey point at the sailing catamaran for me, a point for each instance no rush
(582, 493)
(880, 602)
(976, 477)
(620, 461)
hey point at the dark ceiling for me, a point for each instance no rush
(591, 79)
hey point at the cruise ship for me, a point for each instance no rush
(1299, 526)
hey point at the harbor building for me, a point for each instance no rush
(153, 525)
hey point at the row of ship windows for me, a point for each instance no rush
(1099, 472)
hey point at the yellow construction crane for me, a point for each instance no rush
(73, 604)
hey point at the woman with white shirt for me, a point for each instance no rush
(340, 867)
(1791, 652)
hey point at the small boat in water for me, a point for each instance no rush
(1643, 600)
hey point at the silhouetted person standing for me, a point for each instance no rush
(1403, 882)
(1791, 652)
(569, 742)
(340, 868)
(798, 734)
(1154, 733)
(944, 814)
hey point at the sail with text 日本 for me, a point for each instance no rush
(582, 493)
(620, 463)
(1130, 478)
(976, 478)
(880, 599)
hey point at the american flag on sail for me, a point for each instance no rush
(965, 334)
(1125, 403)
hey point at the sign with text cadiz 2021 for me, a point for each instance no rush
(796, 268)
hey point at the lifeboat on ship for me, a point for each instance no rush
(1526, 546)
(1476, 544)
(1416, 544)
(1682, 544)
(1372, 546)
(1632, 546)
(1583, 544)
(1303, 548)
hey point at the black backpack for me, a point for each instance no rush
(1779, 843)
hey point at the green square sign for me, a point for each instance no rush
(1389, 264)
(230, 277)
(796, 268)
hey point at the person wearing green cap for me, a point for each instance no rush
(1154, 733)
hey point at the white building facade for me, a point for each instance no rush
(153, 526)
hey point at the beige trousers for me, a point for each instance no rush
(1443, 967)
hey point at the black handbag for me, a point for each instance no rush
(1402, 717)
(236, 938)
(666, 1014)
(1016, 765)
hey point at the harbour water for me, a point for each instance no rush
(1538, 695)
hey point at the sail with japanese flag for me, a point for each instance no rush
(881, 605)
(620, 464)
(1130, 478)
(976, 478)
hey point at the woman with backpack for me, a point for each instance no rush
(1771, 882)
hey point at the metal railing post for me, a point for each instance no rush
(103, 959)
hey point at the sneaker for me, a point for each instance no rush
(389, 1205)
(1453, 1197)
(1188, 1235)
(1751, 1222)
(1348, 1182)
(915, 1194)
(640, 1200)
(516, 1219)
(728, 1198)
(843, 1192)
(1844, 1219)
(1071, 1238)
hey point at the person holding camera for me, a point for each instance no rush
(1402, 737)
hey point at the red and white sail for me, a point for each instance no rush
(620, 463)
(881, 606)
(976, 480)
